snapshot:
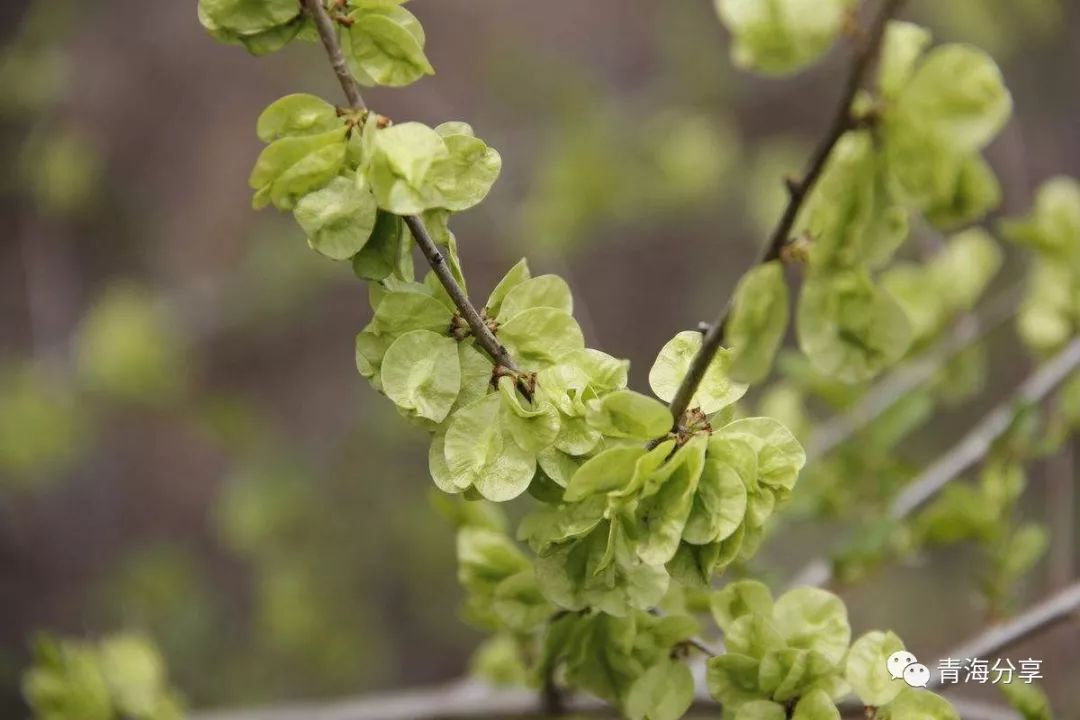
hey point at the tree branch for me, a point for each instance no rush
(967, 452)
(1057, 608)
(798, 191)
(476, 700)
(483, 334)
(328, 34)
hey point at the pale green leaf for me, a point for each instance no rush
(386, 251)
(958, 93)
(551, 525)
(135, 674)
(486, 558)
(402, 157)
(1027, 699)
(1053, 226)
(128, 347)
(964, 267)
(600, 570)
(733, 679)
(739, 598)
(778, 37)
(866, 670)
(849, 328)
(464, 178)
(666, 503)
(516, 275)
(540, 337)
(292, 167)
(66, 682)
(399, 312)
(903, 45)
(610, 470)
(779, 456)
(813, 619)
(627, 414)
(1048, 313)
(695, 565)
(499, 661)
(549, 291)
(558, 465)
(788, 673)
(249, 17)
(337, 219)
(383, 51)
(912, 704)
(816, 705)
(519, 604)
(850, 215)
(664, 692)
(719, 505)
(758, 322)
(439, 470)
(973, 192)
(753, 635)
(533, 425)
(761, 710)
(421, 373)
(716, 390)
(297, 114)
(481, 454)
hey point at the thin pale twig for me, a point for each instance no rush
(966, 453)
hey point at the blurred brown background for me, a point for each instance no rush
(193, 452)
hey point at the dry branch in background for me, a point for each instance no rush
(477, 700)
(966, 453)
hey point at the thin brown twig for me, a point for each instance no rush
(438, 263)
(798, 190)
(483, 334)
(328, 34)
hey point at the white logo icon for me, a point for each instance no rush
(917, 675)
(898, 661)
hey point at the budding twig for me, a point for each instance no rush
(484, 337)
(798, 191)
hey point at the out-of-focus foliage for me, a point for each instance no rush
(122, 676)
(62, 169)
(1051, 310)
(129, 349)
(1027, 699)
(58, 164)
(777, 37)
(610, 529)
(41, 427)
(1003, 27)
(602, 168)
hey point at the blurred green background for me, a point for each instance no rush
(186, 448)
